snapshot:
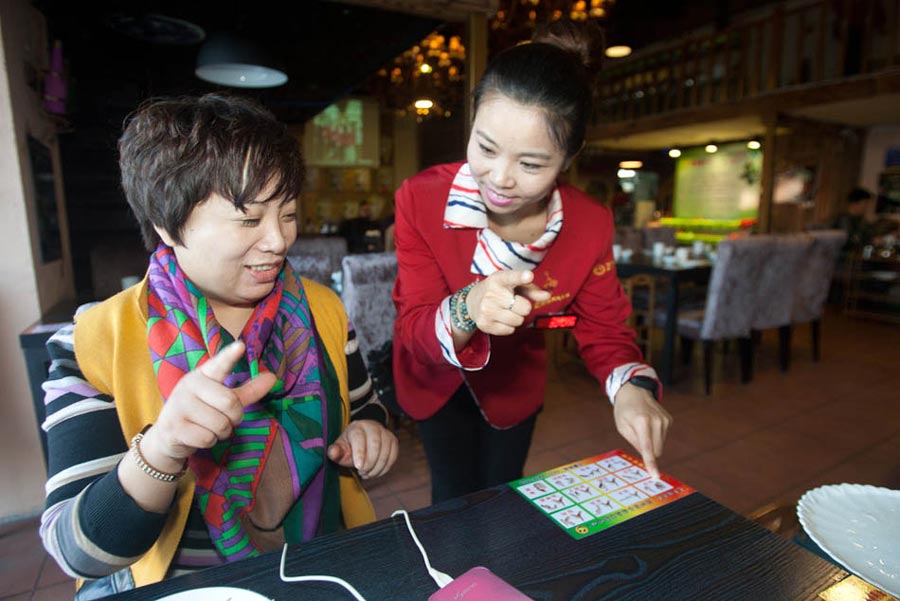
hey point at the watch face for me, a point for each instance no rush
(647, 384)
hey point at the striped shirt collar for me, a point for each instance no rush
(466, 210)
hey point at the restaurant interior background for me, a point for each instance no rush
(800, 99)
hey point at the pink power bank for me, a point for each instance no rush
(478, 584)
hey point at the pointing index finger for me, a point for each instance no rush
(533, 293)
(217, 368)
(513, 278)
(644, 444)
(650, 463)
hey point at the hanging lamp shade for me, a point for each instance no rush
(229, 60)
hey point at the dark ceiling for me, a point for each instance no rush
(327, 49)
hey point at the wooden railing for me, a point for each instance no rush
(783, 46)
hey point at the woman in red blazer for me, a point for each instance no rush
(487, 246)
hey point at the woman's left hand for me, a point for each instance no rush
(643, 422)
(367, 446)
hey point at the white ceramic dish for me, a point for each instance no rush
(215, 593)
(858, 525)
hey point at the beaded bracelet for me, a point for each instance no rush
(146, 467)
(459, 313)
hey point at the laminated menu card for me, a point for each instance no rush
(599, 492)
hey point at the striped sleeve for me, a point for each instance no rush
(474, 356)
(623, 373)
(90, 525)
(364, 401)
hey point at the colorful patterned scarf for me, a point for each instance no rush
(466, 210)
(280, 338)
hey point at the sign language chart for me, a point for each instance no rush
(598, 492)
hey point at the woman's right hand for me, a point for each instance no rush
(201, 410)
(500, 303)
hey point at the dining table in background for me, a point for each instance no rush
(692, 548)
(677, 274)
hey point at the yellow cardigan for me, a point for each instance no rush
(112, 353)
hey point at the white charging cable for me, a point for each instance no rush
(317, 578)
(439, 577)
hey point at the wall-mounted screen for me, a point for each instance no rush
(721, 185)
(346, 134)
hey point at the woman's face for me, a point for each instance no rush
(232, 256)
(512, 157)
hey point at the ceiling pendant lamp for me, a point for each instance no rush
(228, 60)
(618, 51)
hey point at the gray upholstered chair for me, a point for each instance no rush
(775, 287)
(730, 300)
(317, 257)
(368, 281)
(814, 281)
(314, 267)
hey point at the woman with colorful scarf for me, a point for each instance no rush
(219, 408)
(488, 246)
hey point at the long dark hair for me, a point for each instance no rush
(554, 73)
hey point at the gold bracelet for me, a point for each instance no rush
(148, 469)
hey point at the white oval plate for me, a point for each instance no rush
(215, 593)
(858, 525)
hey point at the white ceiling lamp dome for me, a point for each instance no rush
(228, 60)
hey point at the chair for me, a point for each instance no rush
(780, 518)
(368, 282)
(641, 292)
(776, 285)
(314, 267)
(318, 257)
(730, 297)
(814, 281)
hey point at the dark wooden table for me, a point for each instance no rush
(676, 275)
(693, 549)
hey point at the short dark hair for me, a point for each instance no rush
(552, 73)
(175, 152)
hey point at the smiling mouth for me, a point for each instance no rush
(262, 268)
(497, 199)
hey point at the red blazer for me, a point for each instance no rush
(434, 262)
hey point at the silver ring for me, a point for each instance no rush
(511, 303)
